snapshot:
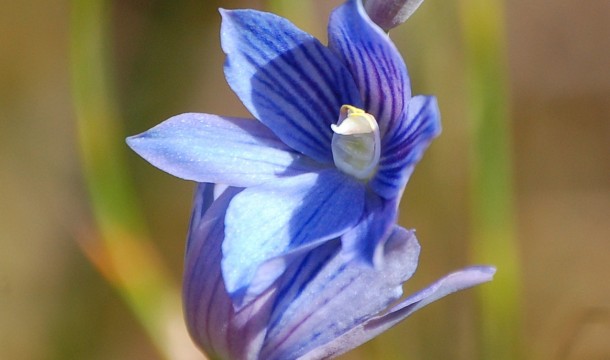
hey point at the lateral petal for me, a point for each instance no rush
(371, 328)
(215, 149)
(324, 294)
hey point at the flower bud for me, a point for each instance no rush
(390, 13)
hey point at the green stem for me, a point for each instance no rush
(124, 256)
(491, 186)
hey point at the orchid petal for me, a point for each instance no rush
(212, 321)
(207, 306)
(286, 78)
(369, 329)
(275, 218)
(318, 303)
(215, 149)
(365, 241)
(401, 151)
(204, 197)
(374, 62)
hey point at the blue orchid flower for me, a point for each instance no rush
(295, 253)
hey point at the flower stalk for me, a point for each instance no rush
(491, 176)
(119, 248)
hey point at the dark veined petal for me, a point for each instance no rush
(365, 241)
(281, 216)
(324, 294)
(204, 197)
(374, 62)
(214, 325)
(207, 307)
(369, 329)
(401, 151)
(215, 149)
(286, 78)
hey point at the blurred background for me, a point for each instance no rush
(92, 237)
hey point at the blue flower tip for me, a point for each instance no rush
(225, 13)
(487, 270)
(132, 141)
(137, 142)
(491, 270)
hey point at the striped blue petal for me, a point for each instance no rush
(275, 218)
(286, 79)
(374, 326)
(204, 197)
(404, 148)
(213, 323)
(365, 240)
(215, 149)
(324, 295)
(374, 62)
(207, 306)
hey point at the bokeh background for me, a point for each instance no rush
(92, 237)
